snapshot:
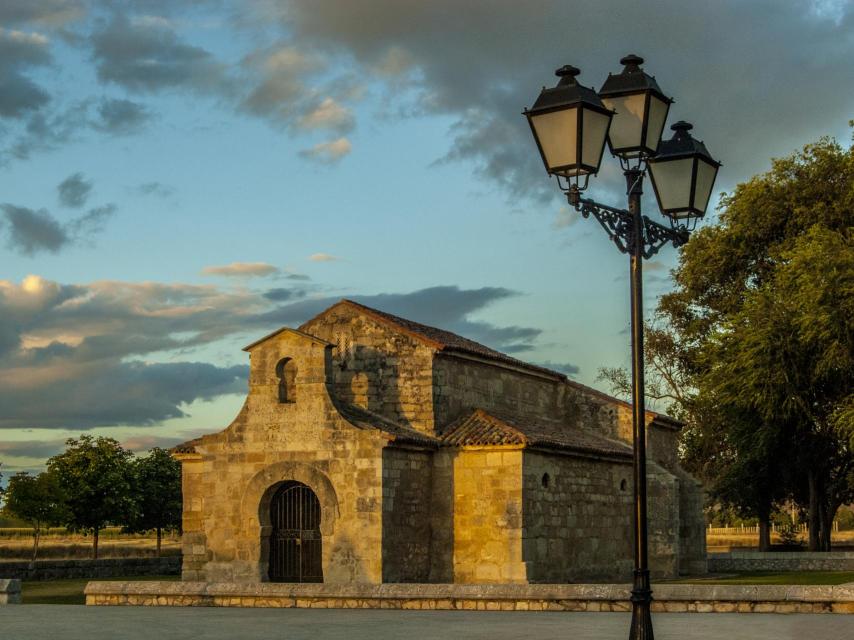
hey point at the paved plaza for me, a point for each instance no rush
(34, 622)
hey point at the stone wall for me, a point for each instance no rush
(577, 518)
(781, 561)
(384, 371)
(442, 516)
(460, 385)
(407, 483)
(663, 522)
(488, 516)
(101, 568)
(681, 598)
(231, 480)
(692, 525)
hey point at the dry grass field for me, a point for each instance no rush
(58, 544)
(717, 543)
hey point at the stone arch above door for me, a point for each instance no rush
(255, 508)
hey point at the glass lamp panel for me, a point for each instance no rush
(594, 131)
(673, 182)
(627, 124)
(655, 124)
(557, 133)
(705, 181)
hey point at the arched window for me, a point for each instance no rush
(286, 372)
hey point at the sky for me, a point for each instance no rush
(179, 179)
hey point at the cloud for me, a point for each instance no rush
(117, 393)
(563, 367)
(281, 294)
(300, 277)
(121, 117)
(31, 232)
(280, 91)
(148, 56)
(323, 257)
(46, 131)
(328, 115)
(32, 448)
(19, 52)
(328, 152)
(74, 191)
(565, 218)
(52, 13)
(486, 70)
(157, 189)
(242, 270)
(110, 353)
(446, 307)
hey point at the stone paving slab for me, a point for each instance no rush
(49, 622)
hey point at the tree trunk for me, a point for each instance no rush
(813, 514)
(37, 532)
(764, 532)
(95, 532)
(159, 537)
(828, 513)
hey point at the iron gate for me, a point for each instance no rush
(295, 542)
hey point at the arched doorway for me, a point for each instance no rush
(295, 540)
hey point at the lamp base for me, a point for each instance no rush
(641, 628)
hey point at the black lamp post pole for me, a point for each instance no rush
(629, 229)
(641, 628)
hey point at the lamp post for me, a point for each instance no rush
(570, 124)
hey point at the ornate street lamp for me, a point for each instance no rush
(683, 174)
(570, 124)
(641, 110)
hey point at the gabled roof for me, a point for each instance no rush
(446, 341)
(301, 334)
(364, 419)
(359, 418)
(482, 428)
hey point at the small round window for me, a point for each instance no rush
(546, 480)
(624, 484)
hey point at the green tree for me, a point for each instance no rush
(37, 500)
(753, 349)
(788, 355)
(157, 494)
(763, 320)
(96, 474)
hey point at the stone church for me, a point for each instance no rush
(373, 449)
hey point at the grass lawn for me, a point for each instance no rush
(769, 577)
(68, 591)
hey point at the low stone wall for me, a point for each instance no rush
(10, 592)
(781, 561)
(102, 568)
(504, 597)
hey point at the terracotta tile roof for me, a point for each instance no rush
(448, 342)
(497, 428)
(186, 447)
(365, 419)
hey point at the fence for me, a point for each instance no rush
(754, 529)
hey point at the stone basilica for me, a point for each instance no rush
(375, 449)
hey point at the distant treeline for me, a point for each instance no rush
(94, 483)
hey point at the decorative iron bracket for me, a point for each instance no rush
(619, 225)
